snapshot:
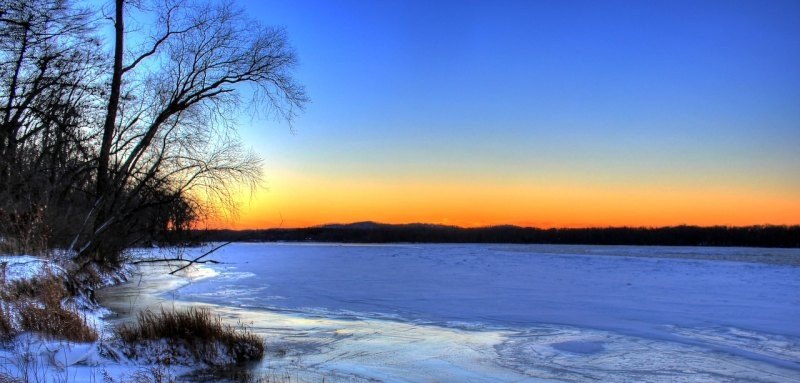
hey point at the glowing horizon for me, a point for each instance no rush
(295, 202)
(571, 114)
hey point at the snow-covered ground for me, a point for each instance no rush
(32, 357)
(19, 267)
(500, 312)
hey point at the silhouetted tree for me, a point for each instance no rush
(49, 64)
(168, 132)
(129, 145)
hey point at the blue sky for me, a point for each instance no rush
(699, 95)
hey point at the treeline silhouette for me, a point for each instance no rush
(370, 232)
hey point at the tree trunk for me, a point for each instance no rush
(104, 186)
(8, 130)
(103, 178)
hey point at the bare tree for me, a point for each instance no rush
(130, 145)
(169, 131)
(45, 57)
(49, 66)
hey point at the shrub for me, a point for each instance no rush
(195, 330)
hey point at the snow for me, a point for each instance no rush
(42, 360)
(19, 267)
(504, 313)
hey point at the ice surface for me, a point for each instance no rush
(496, 286)
(579, 347)
(505, 313)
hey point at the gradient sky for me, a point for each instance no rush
(535, 113)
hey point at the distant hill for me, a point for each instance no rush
(373, 232)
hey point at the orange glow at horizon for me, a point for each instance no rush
(300, 201)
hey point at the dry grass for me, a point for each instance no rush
(57, 323)
(155, 374)
(6, 325)
(40, 307)
(49, 289)
(197, 330)
(24, 232)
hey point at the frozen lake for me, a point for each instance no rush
(412, 312)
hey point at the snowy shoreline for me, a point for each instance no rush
(33, 357)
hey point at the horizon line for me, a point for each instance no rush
(377, 223)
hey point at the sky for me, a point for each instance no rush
(533, 113)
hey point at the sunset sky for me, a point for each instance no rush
(534, 113)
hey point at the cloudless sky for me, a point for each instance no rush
(536, 113)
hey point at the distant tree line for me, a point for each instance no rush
(751, 236)
(118, 125)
